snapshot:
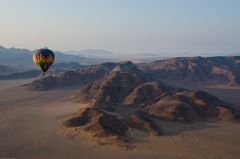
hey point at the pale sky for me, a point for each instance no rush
(122, 26)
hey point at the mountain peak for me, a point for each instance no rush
(124, 66)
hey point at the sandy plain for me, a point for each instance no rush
(31, 126)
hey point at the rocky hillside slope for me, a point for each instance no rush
(126, 99)
(216, 70)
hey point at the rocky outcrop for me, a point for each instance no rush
(110, 91)
(216, 70)
(126, 99)
(77, 78)
(99, 123)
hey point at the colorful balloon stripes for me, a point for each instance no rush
(44, 58)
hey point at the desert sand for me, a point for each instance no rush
(31, 126)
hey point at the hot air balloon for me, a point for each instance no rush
(44, 58)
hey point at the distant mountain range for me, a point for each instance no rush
(15, 56)
(5, 69)
(186, 54)
(21, 75)
(93, 53)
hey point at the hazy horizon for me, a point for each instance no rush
(176, 27)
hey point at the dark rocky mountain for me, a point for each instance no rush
(77, 78)
(133, 88)
(121, 98)
(58, 81)
(215, 70)
(125, 98)
(112, 88)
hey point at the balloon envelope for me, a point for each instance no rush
(44, 58)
